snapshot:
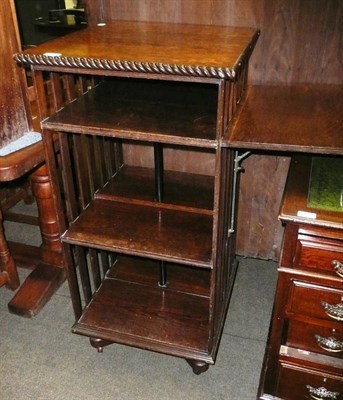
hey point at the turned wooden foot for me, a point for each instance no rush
(99, 344)
(198, 367)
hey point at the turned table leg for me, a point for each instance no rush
(42, 191)
(49, 274)
(8, 270)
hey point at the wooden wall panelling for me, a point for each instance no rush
(301, 41)
(318, 53)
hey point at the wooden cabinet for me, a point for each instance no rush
(149, 240)
(304, 358)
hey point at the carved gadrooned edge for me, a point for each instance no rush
(125, 66)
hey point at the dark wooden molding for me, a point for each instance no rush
(201, 71)
(126, 66)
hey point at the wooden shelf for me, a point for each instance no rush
(181, 278)
(139, 314)
(298, 118)
(155, 232)
(155, 111)
(181, 190)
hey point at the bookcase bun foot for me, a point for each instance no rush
(99, 344)
(198, 367)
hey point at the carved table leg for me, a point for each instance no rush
(47, 277)
(198, 366)
(8, 270)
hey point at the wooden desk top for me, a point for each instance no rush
(295, 206)
(296, 118)
(144, 47)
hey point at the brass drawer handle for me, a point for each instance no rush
(329, 344)
(338, 267)
(321, 393)
(334, 311)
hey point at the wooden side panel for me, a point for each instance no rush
(13, 105)
(259, 232)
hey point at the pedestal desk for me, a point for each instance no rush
(303, 357)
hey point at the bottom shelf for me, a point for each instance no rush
(130, 308)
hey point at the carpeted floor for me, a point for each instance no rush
(40, 359)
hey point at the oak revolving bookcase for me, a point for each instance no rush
(133, 116)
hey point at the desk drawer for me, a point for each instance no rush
(298, 383)
(326, 340)
(321, 254)
(315, 300)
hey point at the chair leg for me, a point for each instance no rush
(8, 271)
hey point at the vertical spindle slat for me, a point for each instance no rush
(104, 261)
(98, 164)
(81, 171)
(69, 87)
(95, 268)
(68, 179)
(56, 90)
(81, 262)
(90, 165)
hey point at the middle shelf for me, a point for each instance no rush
(156, 232)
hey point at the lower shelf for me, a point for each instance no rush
(137, 312)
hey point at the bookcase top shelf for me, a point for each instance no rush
(165, 112)
(149, 48)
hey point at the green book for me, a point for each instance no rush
(326, 184)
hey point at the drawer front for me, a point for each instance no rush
(297, 383)
(316, 338)
(316, 301)
(320, 254)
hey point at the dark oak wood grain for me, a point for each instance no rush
(161, 320)
(300, 43)
(189, 280)
(171, 235)
(150, 48)
(136, 184)
(184, 107)
(304, 348)
(144, 110)
(300, 40)
(297, 118)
